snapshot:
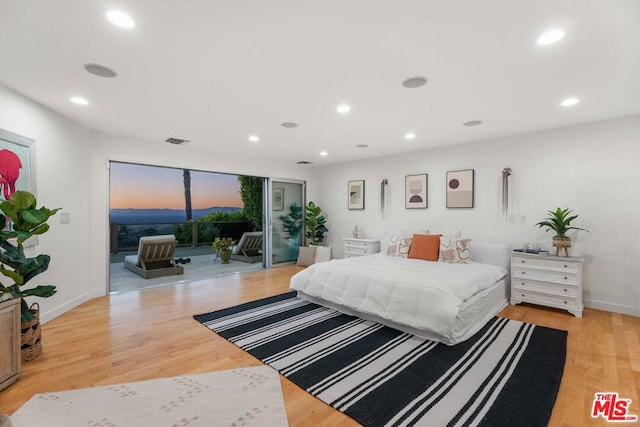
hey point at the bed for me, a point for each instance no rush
(445, 302)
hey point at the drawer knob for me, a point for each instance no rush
(565, 290)
(523, 273)
(522, 294)
(565, 266)
(522, 283)
(565, 277)
(565, 302)
(522, 261)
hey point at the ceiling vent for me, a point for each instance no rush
(303, 162)
(176, 141)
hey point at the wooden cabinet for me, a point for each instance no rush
(9, 341)
(360, 247)
(547, 280)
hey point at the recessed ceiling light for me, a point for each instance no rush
(254, 138)
(551, 37)
(289, 125)
(414, 82)
(362, 145)
(569, 102)
(410, 135)
(120, 19)
(343, 108)
(473, 123)
(79, 100)
(100, 70)
(324, 153)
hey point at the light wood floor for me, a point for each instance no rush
(151, 333)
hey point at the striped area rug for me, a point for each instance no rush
(507, 374)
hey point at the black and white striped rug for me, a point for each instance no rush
(507, 374)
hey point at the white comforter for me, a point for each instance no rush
(420, 294)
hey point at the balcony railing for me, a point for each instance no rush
(125, 237)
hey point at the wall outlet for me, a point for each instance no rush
(65, 218)
(523, 218)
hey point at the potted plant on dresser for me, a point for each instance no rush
(559, 221)
(24, 220)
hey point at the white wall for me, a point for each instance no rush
(592, 169)
(72, 173)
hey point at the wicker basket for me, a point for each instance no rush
(31, 335)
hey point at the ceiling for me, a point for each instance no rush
(215, 72)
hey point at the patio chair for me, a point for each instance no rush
(155, 257)
(249, 248)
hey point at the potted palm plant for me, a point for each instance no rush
(24, 221)
(559, 221)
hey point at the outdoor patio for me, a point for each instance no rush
(201, 266)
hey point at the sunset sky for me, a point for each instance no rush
(148, 187)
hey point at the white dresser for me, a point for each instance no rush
(547, 280)
(359, 247)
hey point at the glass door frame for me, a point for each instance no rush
(267, 201)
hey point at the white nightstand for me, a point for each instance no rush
(552, 281)
(359, 247)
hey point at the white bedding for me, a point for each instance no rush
(422, 295)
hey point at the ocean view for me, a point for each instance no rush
(160, 216)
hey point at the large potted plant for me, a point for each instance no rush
(24, 220)
(315, 223)
(559, 221)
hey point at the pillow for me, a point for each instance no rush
(323, 253)
(306, 255)
(425, 246)
(455, 250)
(399, 246)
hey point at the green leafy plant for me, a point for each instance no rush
(25, 221)
(559, 221)
(315, 223)
(292, 223)
(223, 244)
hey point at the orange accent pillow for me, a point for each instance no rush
(425, 246)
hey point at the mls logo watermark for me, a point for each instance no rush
(612, 408)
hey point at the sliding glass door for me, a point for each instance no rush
(287, 210)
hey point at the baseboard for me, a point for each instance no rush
(615, 308)
(52, 314)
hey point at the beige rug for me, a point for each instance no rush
(238, 397)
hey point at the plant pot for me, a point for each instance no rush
(31, 335)
(225, 256)
(561, 243)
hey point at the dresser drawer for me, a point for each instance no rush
(545, 264)
(358, 244)
(571, 291)
(546, 299)
(357, 250)
(545, 275)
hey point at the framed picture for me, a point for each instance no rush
(415, 191)
(278, 199)
(356, 194)
(17, 164)
(460, 189)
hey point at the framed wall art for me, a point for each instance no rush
(415, 191)
(460, 189)
(17, 164)
(356, 194)
(278, 199)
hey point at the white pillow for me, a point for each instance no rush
(399, 246)
(455, 250)
(323, 253)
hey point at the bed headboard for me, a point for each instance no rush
(491, 253)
